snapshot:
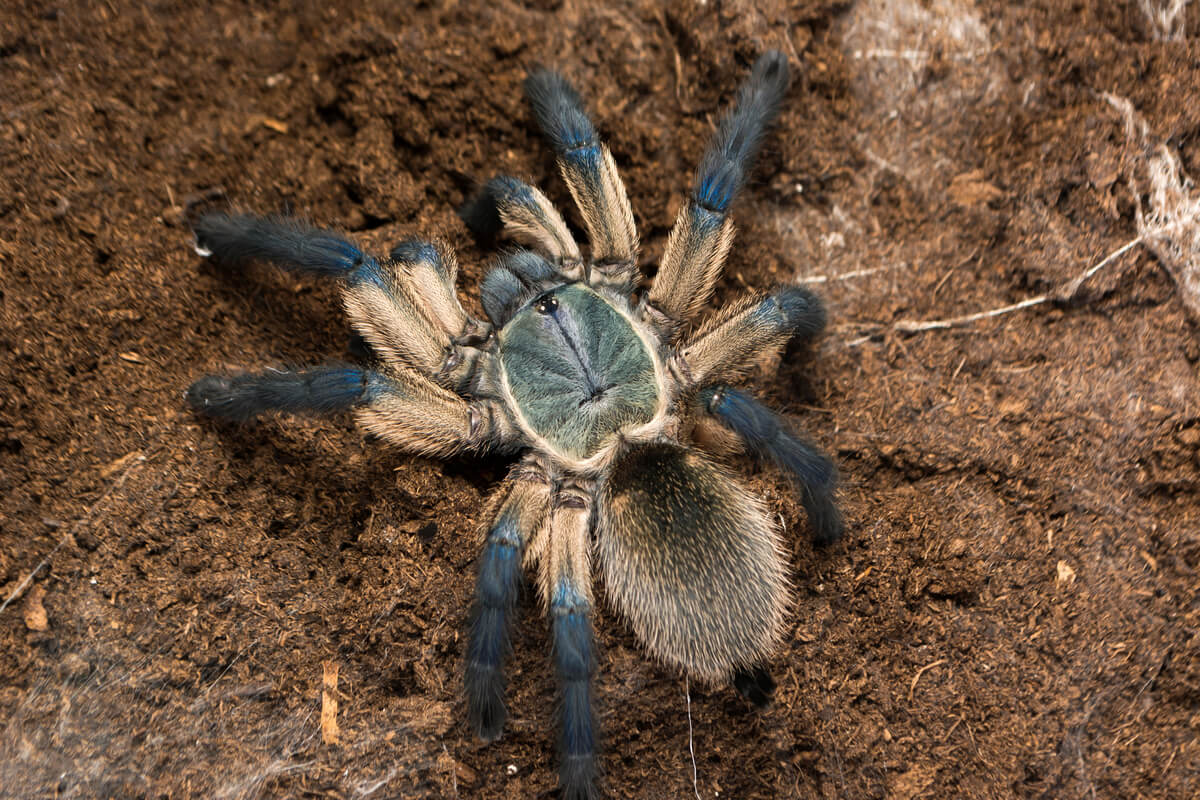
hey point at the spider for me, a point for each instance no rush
(616, 408)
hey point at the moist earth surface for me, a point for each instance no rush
(1013, 610)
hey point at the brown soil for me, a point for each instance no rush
(1014, 610)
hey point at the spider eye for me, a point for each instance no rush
(546, 304)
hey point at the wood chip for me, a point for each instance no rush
(970, 189)
(35, 612)
(329, 703)
(258, 120)
(116, 466)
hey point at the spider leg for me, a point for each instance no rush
(320, 390)
(404, 307)
(565, 577)
(692, 560)
(426, 275)
(411, 315)
(726, 344)
(591, 176)
(521, 512)
(415, 414)
(238, 238)
(767, 437)
(399, 406)
(521, 212)
(703, 232)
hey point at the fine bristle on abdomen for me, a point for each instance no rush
(692, 560)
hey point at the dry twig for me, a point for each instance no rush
(912, 686)
(1169, 228)
(1066, 293)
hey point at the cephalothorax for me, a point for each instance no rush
(612, 407)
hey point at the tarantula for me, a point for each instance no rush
(600, 389)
